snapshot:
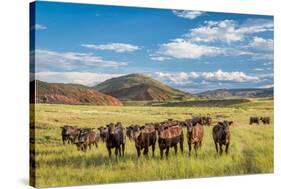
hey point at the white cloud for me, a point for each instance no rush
(40, 27)
(262, 44)
(187, 14)
(84, 78)
(117, 47)
(217, 76)
(182, 49)
(228, 30)
(258, 69)
(71, 60)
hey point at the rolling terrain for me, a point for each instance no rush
(236, 93)
(59, 93)
(137, 87)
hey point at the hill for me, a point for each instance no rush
(236, 93)
(137, 87)
(70, 94)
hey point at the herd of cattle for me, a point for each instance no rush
(169, 134)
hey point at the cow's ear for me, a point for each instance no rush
(220, 123)
(230, 122)
(166, 127)
(142, 127)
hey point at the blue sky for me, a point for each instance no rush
(190, 50)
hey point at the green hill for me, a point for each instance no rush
(60, 93)
(138, 87)
(236, 93)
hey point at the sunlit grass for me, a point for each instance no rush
(251, 149)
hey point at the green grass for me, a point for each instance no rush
(251, 149)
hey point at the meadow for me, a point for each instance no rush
(250, 151)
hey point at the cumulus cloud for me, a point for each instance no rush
(84, 78)
(71, 60)
(261, 44)
(40, 27)
(117, 47)
(217, 76)
(187, 14)
(229, 30)
(182, 49)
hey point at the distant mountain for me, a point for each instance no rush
(70, 94)
(138, 87)
(236, 93)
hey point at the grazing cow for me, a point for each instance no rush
(69, 134)
(265, 120)
(195, 135)
(86, 138)
(221, 135)
(144, 137)
(115, 139)
(254, 120)
(169, 137)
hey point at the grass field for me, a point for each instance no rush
(251, 149)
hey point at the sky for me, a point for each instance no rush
(193, 51)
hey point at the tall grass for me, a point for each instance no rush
(250, 152)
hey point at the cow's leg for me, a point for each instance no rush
(123, 149)
(138, 151)
(216, 147)
(226, 148)
(116, 152)
(195, 148)
(96, 144)
(221, 149)
(153, 149)
(167, 152)
(189, 149)
(176, 149)
(181, 146)
(120, 150)
(161, 153)
(145, 152)
(109, 152)
(90, 146)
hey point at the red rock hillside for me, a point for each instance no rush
(60, 93)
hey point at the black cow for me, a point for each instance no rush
(69, 134)
(144, 137)
(103, 133)
(115, 139)
(169, 137)
(221, 135)
(265, 120)
(254, 120)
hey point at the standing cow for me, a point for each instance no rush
(144, 137)
(255, 120)
(195, 135)
(221, 135)
(86, 138)
(265, 120)
(69, 134)
(169, 137)
(115, 139)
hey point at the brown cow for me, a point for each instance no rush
(144, 137)
(169, 137)
(254, 120)
(86, 139)
(195, 135)
(69, 134)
